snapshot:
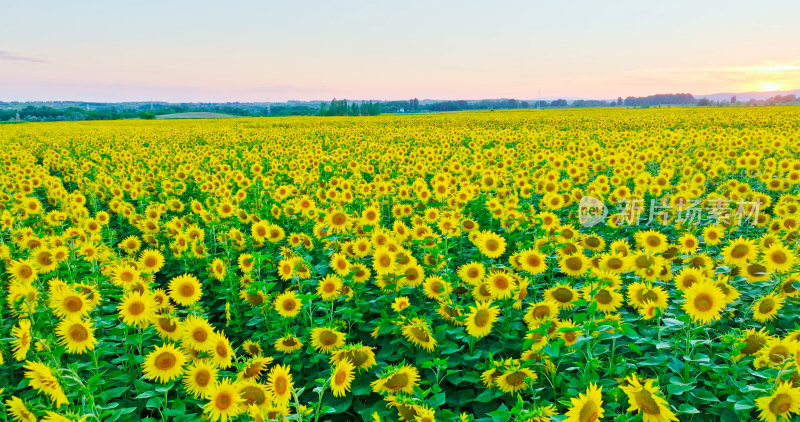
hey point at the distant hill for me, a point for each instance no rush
(196, 115)
(747, 96)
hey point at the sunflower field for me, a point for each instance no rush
(565, 265)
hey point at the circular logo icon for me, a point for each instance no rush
(591, 211)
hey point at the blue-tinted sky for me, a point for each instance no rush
(199, 50)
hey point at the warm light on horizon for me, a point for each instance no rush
(768, 86)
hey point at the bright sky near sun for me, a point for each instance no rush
(236, 50)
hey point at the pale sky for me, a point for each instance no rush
(237, 50)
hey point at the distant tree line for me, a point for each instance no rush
(341, 108)
(54, 111)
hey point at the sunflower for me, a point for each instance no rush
(574, 265)
(223, 401)
(704, 302)
(501, 284)
(491, 244)
(472, 273)
(44, 260)
(150, 261)
(563, 294)
(164, 363)
(539, 311)
(651, 241)
(330, 287)
(400, 303)
(167, 327)
(288, 344)
(612, 262)
(515, 379)
(137, 309)
(397, 379)
(780, 404)
(76, 335)
(480, 319)
(279, 384)
(532, 261)
(608, 299)
(253, 394)
(778, 258)
(221, 351)
(342, 376)
(647, 401)
(740, 251)
(327, 340)
(199, 378)
(217, 269)
(288, 304)
(197, 333)
(688, 276)
(252, 348)
(185, 289)
(23, 271)
(42, 379)
(713, 235)
(68, 304)
(766, 308)
(338, 221)
(569, 332)
(362, 357)
(586, 407)
(776, 352)
(252, 370)
(18, 410)
(639, 292)
(418, 332)
(688, 243)
(383, 261)
(22, 339)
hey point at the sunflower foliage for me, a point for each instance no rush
(421, 268)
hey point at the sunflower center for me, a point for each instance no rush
(780, 404)
(614, 263)
(574, 263)
(541, 311)
(703, 302)
(593, 242)
(778, 257)
(289, 342)
(420, 334)
(778, 354)
(492, 245)
(563, 295)
(397, 381)
(501, 283)
(253, 395)
(473, 273)
(136, 308)
(223, 400)
(167, 325)
(766, 305)
(339, 219)
(202, 377)
(653, 241)
(289, 305)
(26, 272)
(328, 338)
(280, 385)
(645, 402)
(588, 412)
(740, 251)
(603, 297)
(78, 333)
(73, 304)
(187, 290)
(385, 261)
(222, 351)
(358, 358)
(150, 261)
(199, 335)
(481, 318)
(516, 378)
(341, 377)
(165, 361)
